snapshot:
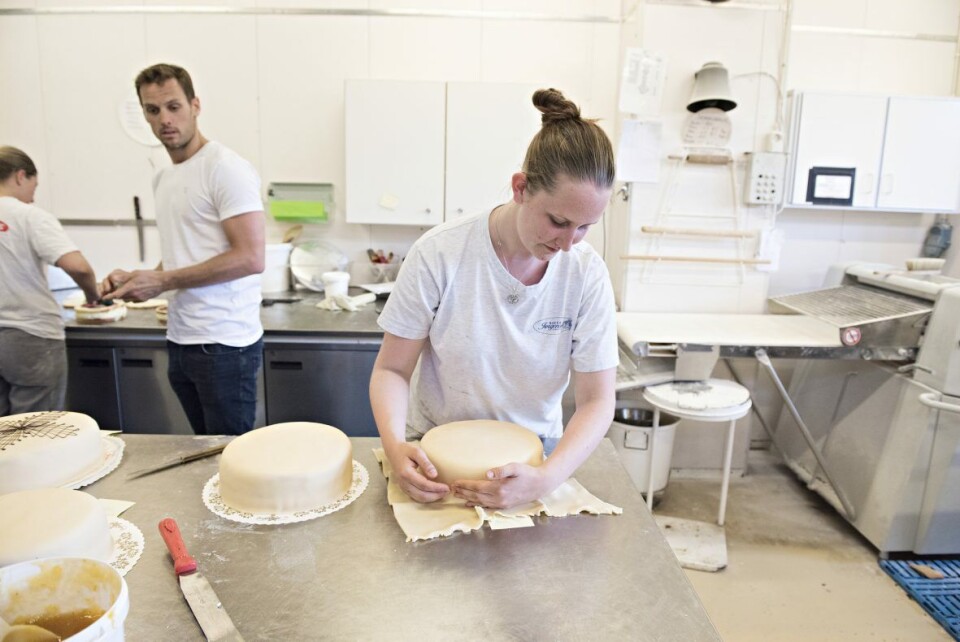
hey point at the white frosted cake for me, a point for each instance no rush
(53, 522)
(468, 449)
(45, 449)
(286, 468)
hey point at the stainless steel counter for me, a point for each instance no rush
(351, 576)
(281, 322)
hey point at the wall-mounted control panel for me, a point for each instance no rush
(765, 178)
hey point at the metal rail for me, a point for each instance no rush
(764, 360)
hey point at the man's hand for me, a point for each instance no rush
(507, 486)
(406, 459)
(138, 285)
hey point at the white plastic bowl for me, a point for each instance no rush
(64, 585)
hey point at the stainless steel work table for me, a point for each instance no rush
(281, 322)
(351, 576)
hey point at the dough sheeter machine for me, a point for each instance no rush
(871, 420)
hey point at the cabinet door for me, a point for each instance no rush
(93, 169)
(921, 155)
(834, 130)
(489, 126)
(328, 384)
(92, 385)
(149, 404)
(394, 152)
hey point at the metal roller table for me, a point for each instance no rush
(351, 575)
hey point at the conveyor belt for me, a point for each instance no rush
(849, 305)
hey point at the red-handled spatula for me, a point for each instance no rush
(206, 607)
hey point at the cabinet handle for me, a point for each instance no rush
(94, 363)
(136, 363)
(286, 365)
(427, 210)
(459, 210)
(886, 183)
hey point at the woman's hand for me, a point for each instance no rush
(506, 486)
(408, 460)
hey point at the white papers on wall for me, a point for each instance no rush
(130, 114)
(638, 155)
(771, 242)
(641, 85)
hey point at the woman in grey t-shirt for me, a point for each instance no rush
(499, 309)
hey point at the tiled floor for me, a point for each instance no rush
(797, 570)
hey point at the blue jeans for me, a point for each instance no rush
(216, 385)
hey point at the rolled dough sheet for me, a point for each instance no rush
(427, 521)
(571, 498)
(450, 515)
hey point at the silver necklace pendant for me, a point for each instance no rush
(513, 298)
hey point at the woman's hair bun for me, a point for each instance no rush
(554, 106)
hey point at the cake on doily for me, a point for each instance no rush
(53, 522)
(468, 449)
(286, 468)
(46, 449)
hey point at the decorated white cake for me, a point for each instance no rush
(468, 449)
(46, 449)
(52, 522)
(286, 468)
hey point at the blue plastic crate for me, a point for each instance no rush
(940, 598)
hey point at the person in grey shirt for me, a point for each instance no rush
(498, 309)
(33, 354)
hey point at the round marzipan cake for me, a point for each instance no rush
(53, 522)
(286, 468)
(44, 449)
(101, 313)
(468, 449)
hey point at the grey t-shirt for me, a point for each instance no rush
(30, 239)
(486, 358)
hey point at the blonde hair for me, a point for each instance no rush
(12, 160)
(566, 144)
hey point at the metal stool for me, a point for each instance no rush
(711, 400)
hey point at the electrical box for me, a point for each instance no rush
(765, 178)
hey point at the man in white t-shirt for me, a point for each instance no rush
(211, 223)
(33, 354)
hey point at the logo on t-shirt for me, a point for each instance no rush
(4, 227)
(553, 325)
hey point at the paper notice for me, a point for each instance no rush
(133, 123)
(638, 155)
(641, 85)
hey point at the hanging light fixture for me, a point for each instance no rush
(711, 88)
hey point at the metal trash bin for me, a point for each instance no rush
(630, 434)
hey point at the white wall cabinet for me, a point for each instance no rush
(489, 126)
(419, 153)
(906, 150)
(394, 152)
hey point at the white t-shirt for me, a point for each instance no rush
(30, 239)
(193, 199)
(486, 358)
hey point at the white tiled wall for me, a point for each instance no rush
(271, 87)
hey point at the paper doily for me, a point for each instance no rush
(127, 545)
(110, 458)
(213, 501)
